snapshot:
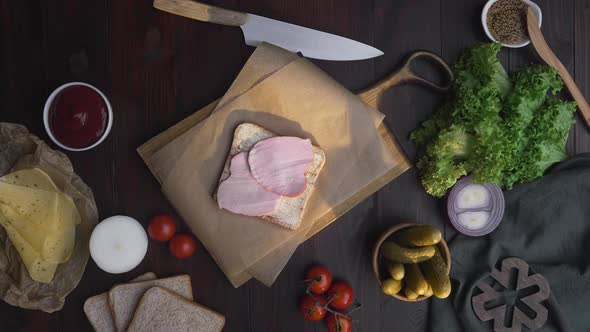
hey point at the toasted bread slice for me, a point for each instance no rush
(97, 309)
(163, 311)
(291, 209)
(123, 299)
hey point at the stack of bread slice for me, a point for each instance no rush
(150, 304)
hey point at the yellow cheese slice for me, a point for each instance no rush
(30, 232)
(55, 245)
(68, 210)
(34, 178)
(47, 220)
(39, 269)
(61, 232)
(37, 205)
(41, 214)
(61, 235)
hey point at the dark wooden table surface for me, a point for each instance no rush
(158, 68)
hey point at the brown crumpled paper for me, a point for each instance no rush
(298, 100)
(18, 150)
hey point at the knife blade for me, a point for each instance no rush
(257, 29)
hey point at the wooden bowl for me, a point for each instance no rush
(378, 259)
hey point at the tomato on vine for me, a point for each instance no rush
(318, 279)
(340, 295)
(337, 323)
(313, 308)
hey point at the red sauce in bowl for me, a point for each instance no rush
(78, 116)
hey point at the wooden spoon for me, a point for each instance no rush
(549, 57)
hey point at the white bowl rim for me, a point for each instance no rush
(484, 22)
(48, 106)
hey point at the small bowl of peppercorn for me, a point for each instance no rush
(504, 21)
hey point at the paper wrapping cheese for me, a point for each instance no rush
(297, 100)
(21, 150)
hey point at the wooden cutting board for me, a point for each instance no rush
(147, 150)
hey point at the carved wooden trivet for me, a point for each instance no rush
(519, 318)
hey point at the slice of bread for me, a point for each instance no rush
(123, 299)
(291, 209)
(163, 311)
(97, 309)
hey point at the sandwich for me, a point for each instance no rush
(269, 176)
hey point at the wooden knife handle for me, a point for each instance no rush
(202, 12)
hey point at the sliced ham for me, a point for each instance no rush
(279, 164)
(241, 194)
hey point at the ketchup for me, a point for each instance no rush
(78, 116)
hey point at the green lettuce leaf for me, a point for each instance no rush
(499, 131)
(443, 162)
(480, 84)
(522, 105)
(547, 137)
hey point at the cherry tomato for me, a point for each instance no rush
(313, 308)
(318, 279)
(182, 246)
(162, 228)
(338, 323)
(341, 294)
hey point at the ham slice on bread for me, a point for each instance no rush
(290, 210)
(241, 194)
(279, 163)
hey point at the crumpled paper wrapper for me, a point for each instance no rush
(297, 100)
(18, 150)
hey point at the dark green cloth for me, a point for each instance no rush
(546, 224)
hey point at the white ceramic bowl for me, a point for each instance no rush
(484, 21)
(50, 100)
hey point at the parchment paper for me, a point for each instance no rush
(297, 100)
(265, 60)
(18, 150)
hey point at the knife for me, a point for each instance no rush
(257, 29)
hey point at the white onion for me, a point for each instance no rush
(473, 196)
(118, 244)
(475, 209)
(474, 219)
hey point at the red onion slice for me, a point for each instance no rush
(475, 209)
